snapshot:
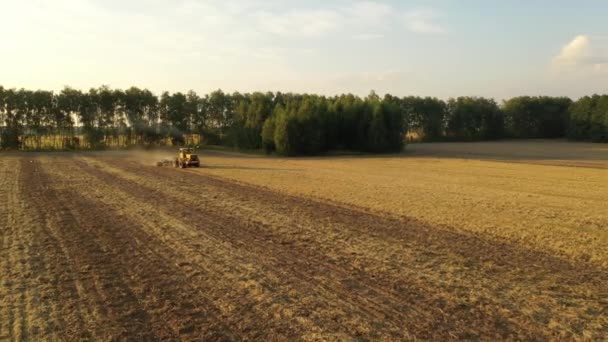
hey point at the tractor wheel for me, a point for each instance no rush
(183, 165)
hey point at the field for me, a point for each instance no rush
(475, 241)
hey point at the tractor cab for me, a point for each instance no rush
(185, 152)
(186, 158)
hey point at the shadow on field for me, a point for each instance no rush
(520, 149)
(546, 152)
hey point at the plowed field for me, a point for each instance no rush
(107, 246)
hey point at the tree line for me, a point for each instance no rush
(286, 123)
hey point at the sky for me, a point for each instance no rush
(445, 49)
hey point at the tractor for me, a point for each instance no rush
(186, 158)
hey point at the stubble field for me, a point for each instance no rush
(446, 241)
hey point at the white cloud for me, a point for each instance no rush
(423, 21)
(580, 55)
(574, 52)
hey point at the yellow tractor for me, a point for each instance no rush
(186, 158)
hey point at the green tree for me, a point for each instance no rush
(425, 115)
(13, 115)
(536, 117)
(283, 134)
(250, 114)
(473, 118)
(268, 132)
(220, 112)
(66, 111)
(40, 118)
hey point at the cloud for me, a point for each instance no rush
(423, 21)
(580, 55)
(574, 52)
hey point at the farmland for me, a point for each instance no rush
(445, 241)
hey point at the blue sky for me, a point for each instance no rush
(438, 48)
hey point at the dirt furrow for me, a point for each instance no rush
(355, 285)
(91, 287)
(47, 295)
(20, 266)
(24, 284)
(48, 289)
(141, 296)
(18, 284)
(72, 295)
(8, 182)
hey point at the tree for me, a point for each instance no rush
(13, 118)
(250, 113)
(195, 112)
(220, 111)
(176, 111)
(599, 120)
(425, 115)
(308, 126)
(268, 132)
(39, 118)
(536, 117)
(290, 124)
(284, 141)
(473, 118)
(377, 133)
(396, 123)
(67, 110)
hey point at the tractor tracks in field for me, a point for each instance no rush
(132, 291)
(12, 256)
(379, 297)
(34, 293)
(23, 281)
(65, 296)
(550, 281)
(91, 284)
